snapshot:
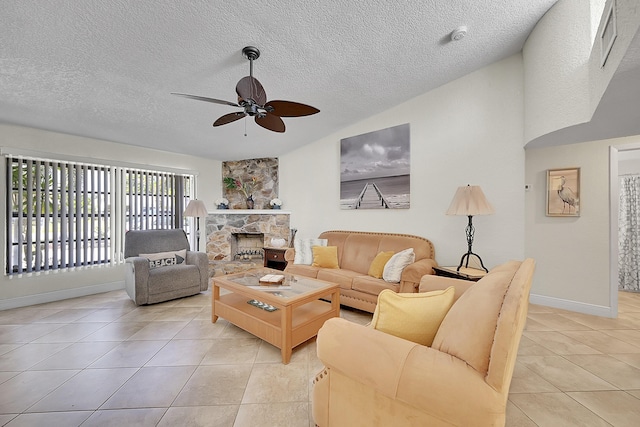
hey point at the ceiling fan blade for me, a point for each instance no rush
(202, 98)
(291, 109)
(250, 88)
(228, 118)
(271, 122)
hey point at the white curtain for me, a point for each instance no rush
(629, 234)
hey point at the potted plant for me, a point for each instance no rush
(246, 188)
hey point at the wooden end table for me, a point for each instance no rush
(472, 274)
(294, 312)
(274, 258)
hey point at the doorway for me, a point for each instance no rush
(621, 161)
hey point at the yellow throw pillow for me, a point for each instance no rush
(325, 256)
(377, 265)
(414, 317)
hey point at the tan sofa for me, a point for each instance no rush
(375, 379)
(356, 250)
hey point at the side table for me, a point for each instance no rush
(471, 274)
(274, 258)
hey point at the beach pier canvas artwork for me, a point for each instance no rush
(375, 169)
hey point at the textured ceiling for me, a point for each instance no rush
(105, 69)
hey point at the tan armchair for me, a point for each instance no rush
(146, 285)
(375, 379)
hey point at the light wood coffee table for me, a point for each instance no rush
(292, 312)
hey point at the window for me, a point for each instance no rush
(67, 214)
(608, 32)
(153, 200)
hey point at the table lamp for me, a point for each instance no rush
(469, 201)
(197, 209)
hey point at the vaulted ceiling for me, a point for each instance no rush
(105, 69)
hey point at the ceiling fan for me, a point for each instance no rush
(253, 101)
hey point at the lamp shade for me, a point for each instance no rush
(196, 208)
(469, 201)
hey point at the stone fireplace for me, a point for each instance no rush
(235, 237)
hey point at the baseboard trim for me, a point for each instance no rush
(60, 295)
(580, 307)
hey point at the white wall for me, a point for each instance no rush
(556, 63)
(34, 288)
(627, 22)
(629, 162)
(572, 253)
(466, 132)
(564, 79)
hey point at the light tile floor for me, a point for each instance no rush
(100, 360)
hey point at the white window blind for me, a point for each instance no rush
(67, 214)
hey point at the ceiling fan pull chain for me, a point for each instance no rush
(245, 125)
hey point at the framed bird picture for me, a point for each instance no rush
(563, 192)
